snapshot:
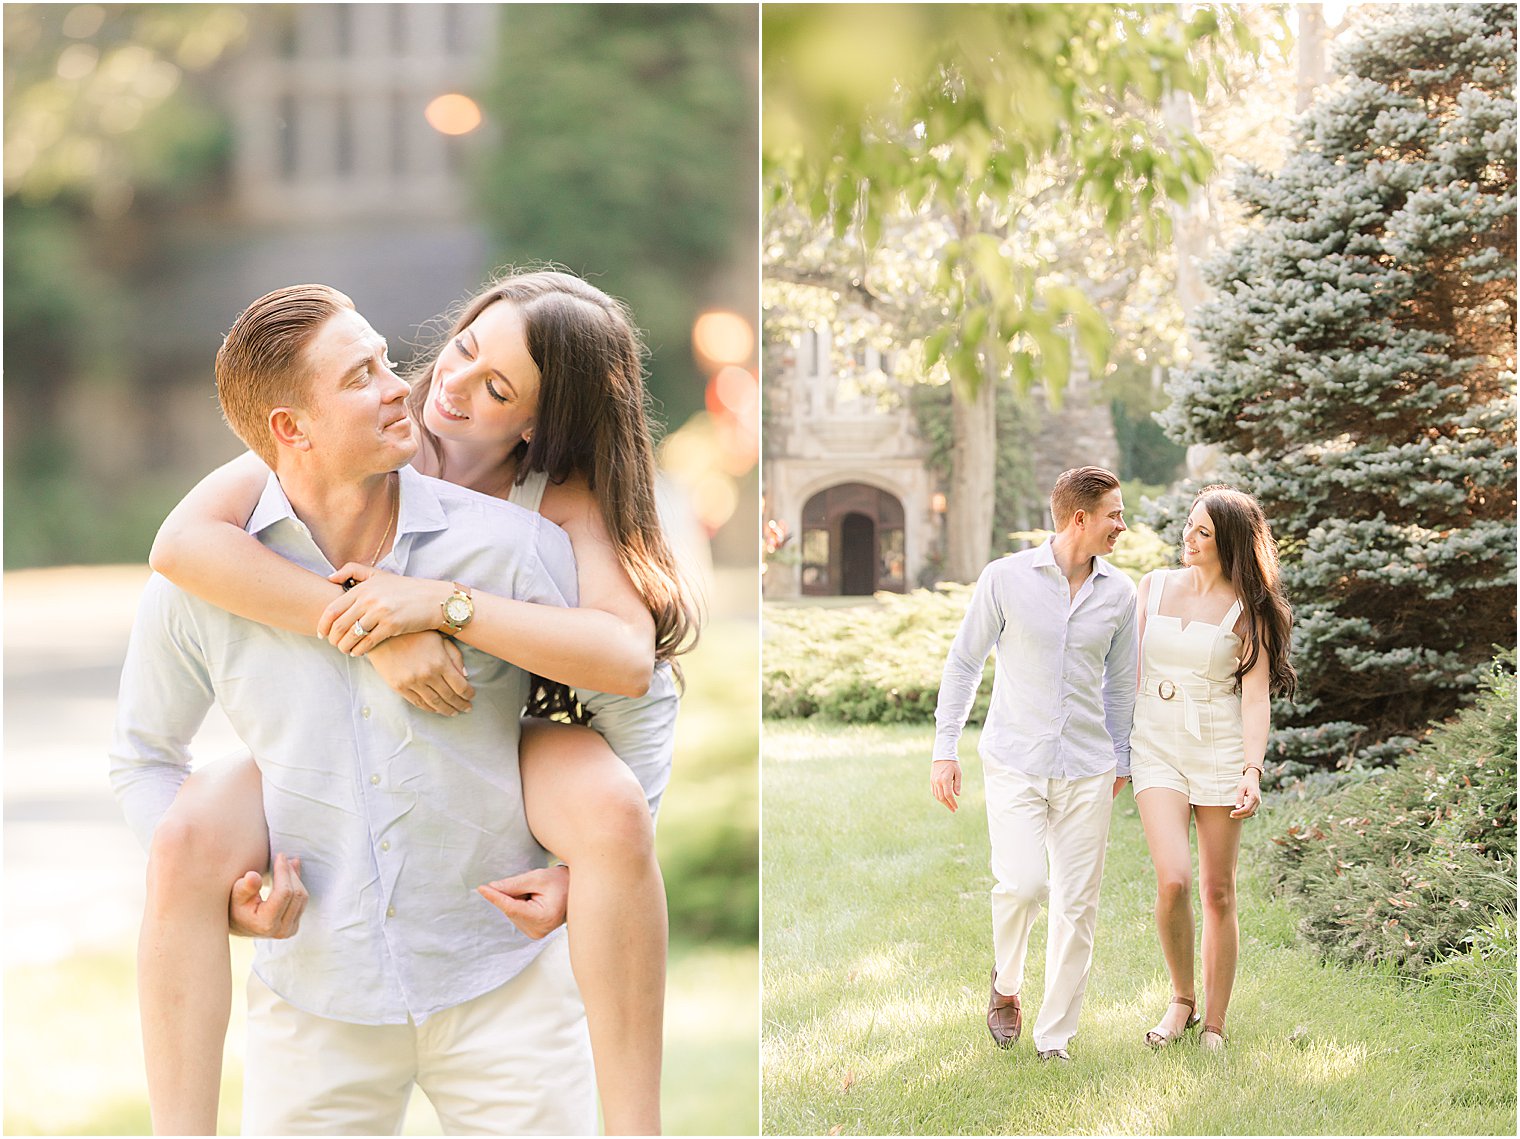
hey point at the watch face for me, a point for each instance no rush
(457, 610)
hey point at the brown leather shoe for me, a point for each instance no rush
(1005, 1020)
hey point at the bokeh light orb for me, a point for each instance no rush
(723, 337)
(453, 114)
(737, 390)
(714, 500)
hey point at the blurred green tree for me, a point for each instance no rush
(104, 127)
(1360, 379)
(627, 155)
(982, 117)
(1145, 452)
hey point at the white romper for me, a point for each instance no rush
(1187, 733)
(641, 730)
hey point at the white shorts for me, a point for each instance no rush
(1203, 760)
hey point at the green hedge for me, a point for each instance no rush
(1415, 863)
(873, 663)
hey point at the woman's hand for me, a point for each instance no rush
(382, 605)
(533, 901)
(427, 669)
(1248, 794)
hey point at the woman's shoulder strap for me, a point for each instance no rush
(1157, 586)
(529, 494)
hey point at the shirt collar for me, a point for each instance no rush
(420, 512)
(1045, 555)
(273, 507)
(421, 509)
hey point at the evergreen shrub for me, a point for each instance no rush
(1357, 376)
(874, 663)
(1416, 862)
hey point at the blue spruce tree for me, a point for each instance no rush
(1360, 379)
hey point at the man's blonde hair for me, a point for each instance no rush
(1079, 489)
(262, 363)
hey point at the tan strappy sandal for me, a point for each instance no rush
(1218, 1041)
(1158, 1037)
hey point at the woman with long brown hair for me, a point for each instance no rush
(1214, 641)
(537, 396)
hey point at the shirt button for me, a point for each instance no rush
(364, 711)
(390, 911)
(385, 846)
(374, 779)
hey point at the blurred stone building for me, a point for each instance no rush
(335, 176)
(206, 154)
(846, 477)
(329, 104)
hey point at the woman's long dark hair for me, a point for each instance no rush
(1248, 560)
(591, 420)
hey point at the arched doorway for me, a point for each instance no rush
(857, 554)
(852, 542)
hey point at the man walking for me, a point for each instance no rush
(399, 973)
(1055, 747)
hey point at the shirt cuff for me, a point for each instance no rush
(1121, 760)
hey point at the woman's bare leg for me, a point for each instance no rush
(1165, 816)
(212, 835)
(586, 807)
(1218, 851)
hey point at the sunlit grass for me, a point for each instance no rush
(712, 1051)
(878, 947)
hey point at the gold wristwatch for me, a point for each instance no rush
(458, 608)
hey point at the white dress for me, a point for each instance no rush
(641, 730)
(1187, 733)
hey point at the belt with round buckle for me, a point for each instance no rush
(1166, 690)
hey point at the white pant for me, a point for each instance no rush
(515, 1061)
(1032, 819)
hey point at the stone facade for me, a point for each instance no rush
(827, 447)
(844, 469)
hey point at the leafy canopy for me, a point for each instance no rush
(875, 112)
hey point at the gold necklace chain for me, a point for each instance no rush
(395, 514)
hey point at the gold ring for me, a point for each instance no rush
(1166, 690)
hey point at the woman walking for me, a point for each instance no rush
(1214, 639)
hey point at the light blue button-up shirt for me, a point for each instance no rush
(396, 814)
(1063, 690)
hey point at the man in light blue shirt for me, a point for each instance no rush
(1055, 747)
(399, 972)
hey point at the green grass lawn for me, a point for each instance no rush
(877, 949)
